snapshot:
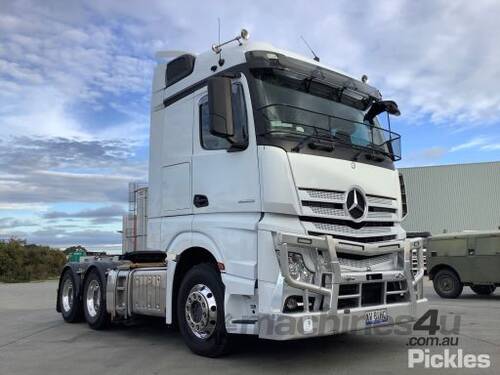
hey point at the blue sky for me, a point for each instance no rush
(75, 85)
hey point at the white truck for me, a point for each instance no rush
(274, 207)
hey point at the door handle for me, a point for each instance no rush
(200, 200)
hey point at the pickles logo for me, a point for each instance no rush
(448, 359)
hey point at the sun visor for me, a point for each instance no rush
(353, 92)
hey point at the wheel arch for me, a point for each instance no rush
(184, 261)
(102, 269)
(438, 267)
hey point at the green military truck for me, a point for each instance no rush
(455, 260)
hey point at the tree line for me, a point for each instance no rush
(20, 261)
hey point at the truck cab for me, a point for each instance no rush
(274, 198)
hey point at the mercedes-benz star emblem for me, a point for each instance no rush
(356, 204)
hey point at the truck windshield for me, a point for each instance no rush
(294, 105)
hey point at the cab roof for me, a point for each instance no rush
(203, 65)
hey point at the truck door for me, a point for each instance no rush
(225, 181)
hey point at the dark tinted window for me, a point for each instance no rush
(179, 68)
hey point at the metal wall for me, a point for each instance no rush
(453, 198)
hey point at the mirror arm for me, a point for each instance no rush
(228, 75)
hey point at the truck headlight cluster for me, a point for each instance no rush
(297, 268)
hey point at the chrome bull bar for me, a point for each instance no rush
(332, 292)
(331, 245)
(418, 245)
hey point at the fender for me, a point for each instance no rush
(102, 268)
(234, 283)
(177, 246)
(432, 272)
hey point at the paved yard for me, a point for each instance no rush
(35, 340)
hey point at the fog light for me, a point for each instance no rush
(297, 268)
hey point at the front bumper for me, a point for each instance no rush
(312, 324)
(334, 316)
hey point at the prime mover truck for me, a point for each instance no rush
(274, 207)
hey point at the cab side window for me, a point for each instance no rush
(212, 142)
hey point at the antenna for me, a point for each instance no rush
(221, 60)
(316, 58)
(218, 20)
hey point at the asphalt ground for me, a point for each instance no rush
(35, 340)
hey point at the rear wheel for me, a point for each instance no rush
(483, 290)
(447, 284)
(70, 305)
(94, 303)
(200, 311)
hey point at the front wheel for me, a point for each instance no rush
(200, 311)
(483, 290)
(447, 284)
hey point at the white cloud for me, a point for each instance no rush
(491, 147)
(470, 144)
(50, 66)
(50, 170)
(482, 143)
(433, 153)
(432, 56)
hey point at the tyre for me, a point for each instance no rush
(94, 302)
(69, 303)
(447, 284)
(200, 311)
(483, 290)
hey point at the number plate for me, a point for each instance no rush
(376, 317)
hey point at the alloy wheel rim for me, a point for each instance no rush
(201, 311)
(67, 295)
(93, 298)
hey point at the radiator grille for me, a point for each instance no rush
(324, 213)
(344, 229)
(365, 262)
(324, 194)
(372, 200)
(328, 211)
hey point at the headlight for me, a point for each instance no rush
(297, 268)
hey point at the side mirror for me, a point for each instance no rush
(219, 107)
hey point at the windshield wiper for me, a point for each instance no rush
(322, 144)
(302, 143)
(319, 144)
(370, 154)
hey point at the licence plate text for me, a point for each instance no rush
(376, 317)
